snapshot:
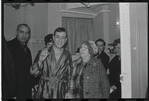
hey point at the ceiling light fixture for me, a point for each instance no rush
(18, 5)
(87, 5)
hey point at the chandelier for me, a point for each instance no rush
(87, 5)
(18, 5)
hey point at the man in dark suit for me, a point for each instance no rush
(115, 71)
(23, 61)
(101, 54)
(8, 76)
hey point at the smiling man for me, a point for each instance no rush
(54, 68)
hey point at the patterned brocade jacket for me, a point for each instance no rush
(95, 83)
(54, 75)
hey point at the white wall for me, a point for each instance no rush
(134, 45)
(126, 82)
(114, 30)
(43, 18)
(139, 48)
(54, 17)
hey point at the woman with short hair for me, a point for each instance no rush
(89, 78)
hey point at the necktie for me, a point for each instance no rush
(25, 48)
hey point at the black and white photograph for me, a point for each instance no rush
(80, 50)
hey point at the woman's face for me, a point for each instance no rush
(49, 44)
(107, 51)
(110, 49)
(84, 50)
(118, 49)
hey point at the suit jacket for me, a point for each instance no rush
(114, 71)
(8, 76)
(104, 59)
(114, 75)
(95, 80)
(23, 62)
(146, 96)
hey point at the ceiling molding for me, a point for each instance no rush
(77, 12)
(81, 4)
(84, 13)
(102, 11)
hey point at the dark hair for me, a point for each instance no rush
(23, 24)
(100, 40)
(60, 29)
(116, 41)
(78, 50)
(111, 50)
(48, 38)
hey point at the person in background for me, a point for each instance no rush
(49, 40)
(101, 54)
(89, 78)
(114, 71)
(23, 61)
(54, 68)
(48, 43)
(111, 54)
(8, 73)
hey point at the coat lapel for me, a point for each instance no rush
(61, 62)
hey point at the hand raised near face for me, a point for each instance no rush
(44, 53)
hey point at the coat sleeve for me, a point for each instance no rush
(9, 68)
(112, 69)
(69, 66)
(37, 56)
(35, 80)
(35, 69)
(72, 86)
(117, 75)
(105, 86)
(105, 61)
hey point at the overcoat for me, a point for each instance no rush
(95, 83)
(8, 76)
(23, 62)
(114, 76)
(104, 59)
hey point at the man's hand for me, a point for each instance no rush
(43, 54)
(14, 97)
(112, 88)
(36, 87)
(67, 95)
(108, 72)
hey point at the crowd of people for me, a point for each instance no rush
(55, 73)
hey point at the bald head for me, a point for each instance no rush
(23, 33)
